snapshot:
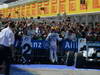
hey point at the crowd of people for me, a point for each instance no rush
(51, 30)
(39, 30)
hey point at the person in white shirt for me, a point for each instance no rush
(6, 45)
(52, 38)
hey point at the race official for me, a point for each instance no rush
(6, 45)
(53, 37)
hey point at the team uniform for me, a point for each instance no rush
(6, 40)
(52, 38)
(26, 40)
(26, 46)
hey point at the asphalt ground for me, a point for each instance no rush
(38, 69)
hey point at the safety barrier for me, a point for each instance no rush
(29, 50)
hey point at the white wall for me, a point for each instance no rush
(3, 6)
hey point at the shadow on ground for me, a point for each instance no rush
(18, 71)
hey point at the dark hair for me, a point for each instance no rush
(12, 25)
(38, 17)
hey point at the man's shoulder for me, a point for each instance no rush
(7, 30)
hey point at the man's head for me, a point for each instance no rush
(11, 24)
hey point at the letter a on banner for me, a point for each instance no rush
(67, 45)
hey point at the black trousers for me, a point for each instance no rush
(5, 55)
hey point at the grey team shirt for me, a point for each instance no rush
(52, 38)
